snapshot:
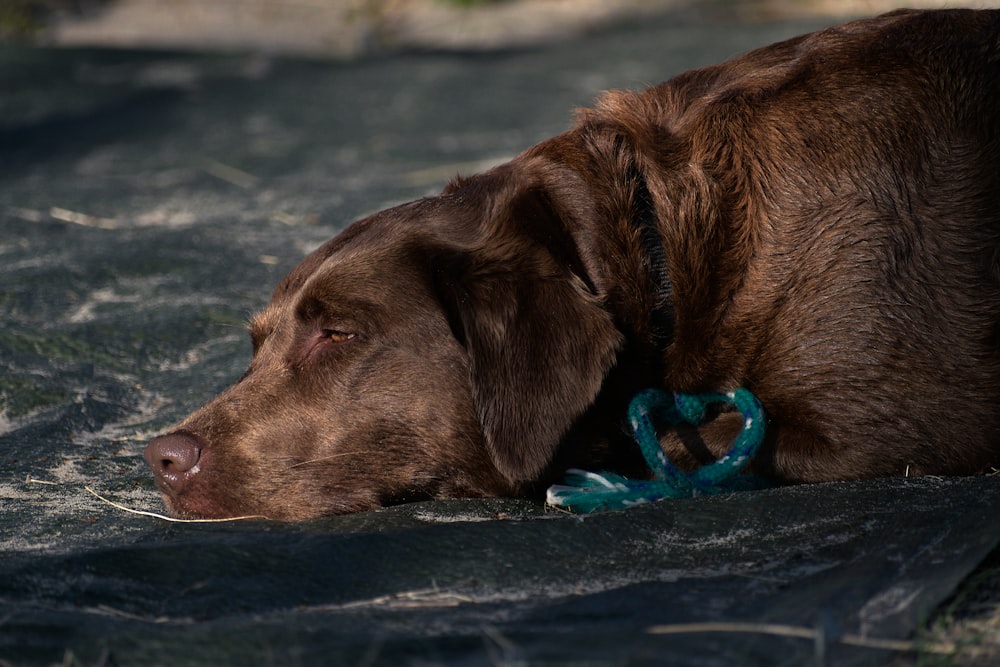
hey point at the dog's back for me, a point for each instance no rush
(852, 181)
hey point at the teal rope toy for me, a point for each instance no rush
(585, 492)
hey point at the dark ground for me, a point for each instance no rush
(149, 202)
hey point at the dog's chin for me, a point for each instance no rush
(194, 506)
(200, 508)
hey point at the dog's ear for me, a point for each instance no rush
(538, 341)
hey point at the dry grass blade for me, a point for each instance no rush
(82, 219)
(802, 633)
(230, 174)
(164, 517)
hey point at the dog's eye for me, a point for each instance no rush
(335, 336)
(323, 342)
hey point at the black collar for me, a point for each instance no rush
(647, 224)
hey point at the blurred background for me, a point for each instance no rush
(350, 28)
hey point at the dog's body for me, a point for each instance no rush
(817, 221)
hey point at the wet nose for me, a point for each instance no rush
(174, 458)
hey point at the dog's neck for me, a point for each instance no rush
(595, 181)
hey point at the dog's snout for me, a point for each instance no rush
(174, 458)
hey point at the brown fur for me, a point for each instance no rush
(828, 210)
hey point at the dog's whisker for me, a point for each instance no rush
(321, 459)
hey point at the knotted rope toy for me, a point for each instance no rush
(585, 492)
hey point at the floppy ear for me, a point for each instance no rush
(538, 341)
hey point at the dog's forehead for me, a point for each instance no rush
(361, 243)
(334, 268)
(372, 255)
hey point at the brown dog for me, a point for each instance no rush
(817, 221)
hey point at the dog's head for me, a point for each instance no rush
(442, 348)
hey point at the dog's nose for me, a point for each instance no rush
(174, 459)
